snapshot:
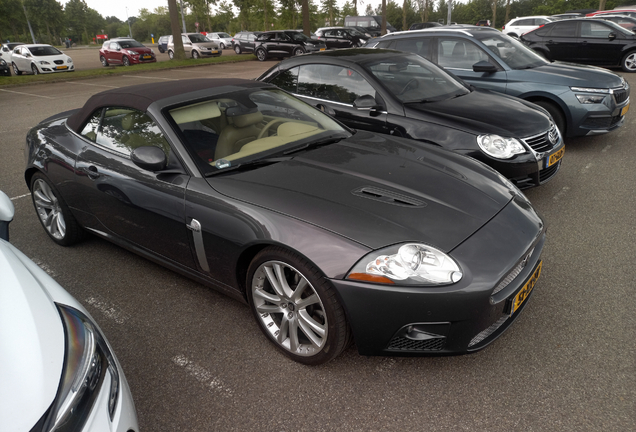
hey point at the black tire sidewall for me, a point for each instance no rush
(338, 333)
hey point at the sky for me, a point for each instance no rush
(118, 7)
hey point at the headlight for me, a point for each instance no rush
(133, 52)
(411, 264)
(590, 99)
(2, 62)
(87, 360)
(44, 62)
(68, 60)
(152, 51)
(499, 147)
(590, 90)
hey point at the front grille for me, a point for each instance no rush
(399, 343)
(620, 96)
(548, 173)
(480, 337)
(58, 61)
(541, 143)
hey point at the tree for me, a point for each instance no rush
(306, 28)
(493, 5)
(330, 7)
(179, 53)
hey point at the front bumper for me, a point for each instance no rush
(453, 319)
(600, 118)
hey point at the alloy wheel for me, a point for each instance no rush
(49, 210)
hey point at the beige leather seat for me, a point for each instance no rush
(241, 130)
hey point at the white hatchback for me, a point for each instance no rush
(520, 25)
(58, 371)
(223, 39)
(39, 58)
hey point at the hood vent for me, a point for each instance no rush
(388, 197)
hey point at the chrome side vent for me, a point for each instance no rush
(388, 197)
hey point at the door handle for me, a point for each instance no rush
(92, 172)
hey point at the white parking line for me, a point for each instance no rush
(26, 94)
(108, 309)
(44, 267)
(143, 77)
(87, 84)
(586, 168)
(21, 196)
(202, 375)
(561, 193)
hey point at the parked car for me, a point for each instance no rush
(223, 39)
(125, 52)
(243, 42)
(341, 37)
(424, 25)
(372, 24)
(626, 12)
(195, 45)
(285, 43)
(627, 22)
(405, 95)
(40, 58)
(520, 25)
(582, 100)
(162, 43)
(588, 41)
(6, 50)
(483, 23)
(567, 15)
(364, 31)
(325, 233)
(4, 68)
(57, 369)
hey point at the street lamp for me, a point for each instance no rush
(128, 19)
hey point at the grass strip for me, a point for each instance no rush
(118, 70)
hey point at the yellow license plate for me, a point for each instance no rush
(555, 157)
(214, 51)
(147, 57)
(322, 49)
(518, 300)
(61, 67)
(625, 109)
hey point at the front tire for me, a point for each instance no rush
(237, 49)
(195, 54)
(125, 61)
(222, 46)
(104, 61)
(296, 307)
(35, 70)
(557, 115)
(16, 71)
(299, 51)
(54, 214)
(261, 55)
(628, 64)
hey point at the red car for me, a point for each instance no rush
(125, 51)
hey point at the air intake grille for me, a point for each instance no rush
(541, 143)
(490, 330)
(548, 173)
(58, 62)
(404, 344)
(388, 197)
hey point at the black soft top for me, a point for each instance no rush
(141, 96)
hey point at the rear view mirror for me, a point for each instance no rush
(484, 66)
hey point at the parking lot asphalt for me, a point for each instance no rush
(196, 360)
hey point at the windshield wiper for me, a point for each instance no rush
(315, 144)
(249, 165)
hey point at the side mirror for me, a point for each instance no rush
(366, 103)
(484, 66)
(28, 55)
(149, 158)
(611, 36)
(118, 49)
(7, 211)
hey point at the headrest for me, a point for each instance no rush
(191, 113)
(247, 119)
(128, 121)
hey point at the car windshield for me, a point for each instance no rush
(298, 36)
(355, 32)
(512, 52)
(415, 79)
(39, 51)
(130, 44)
(246, 126)
(197, 38)
(224, 35)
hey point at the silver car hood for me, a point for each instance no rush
(31, 341)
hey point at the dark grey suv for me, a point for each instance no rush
(583, 100)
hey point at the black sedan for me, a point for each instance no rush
(285, 43)
(405, 95)
(328, 235)
(588, 41)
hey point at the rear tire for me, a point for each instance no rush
(237, 49)
(557, 115)
(55, 216)
(171, 54)
(628, 64)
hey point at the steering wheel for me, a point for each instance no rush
(412, 82)
(268, 126)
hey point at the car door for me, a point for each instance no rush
(458, 56)
(284, 45)
(187, 45)
(114, 53)
(600, 44)
(21, 58)
(562, 41)
(144, 207)
(333, 89)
